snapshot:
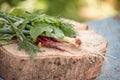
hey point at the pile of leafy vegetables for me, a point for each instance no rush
(26, 27)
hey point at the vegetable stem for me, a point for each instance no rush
(75, 41)
(8, 31)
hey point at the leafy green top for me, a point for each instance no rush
(26, 27)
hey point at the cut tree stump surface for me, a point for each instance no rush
(81, 63)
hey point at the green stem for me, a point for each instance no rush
(75, 41)
(27, 27)
(13, 19)
(6, 17)
(8, 31)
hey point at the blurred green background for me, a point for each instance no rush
(78, 10)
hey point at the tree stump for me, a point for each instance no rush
(82, 63)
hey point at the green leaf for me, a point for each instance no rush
(1, 24)
(67, 29)
(6, 36)
(47, 34)
(49, 19)
(38, 30)
(52, 20)
(58, 33)
(19, 12)
(35, 17)
(48, 31)
(29, 48)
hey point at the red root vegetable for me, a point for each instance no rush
(47, 42)
(50, 42)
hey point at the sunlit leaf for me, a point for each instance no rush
(18, 12)
(67, 29)
(58, 33)
(37, 30)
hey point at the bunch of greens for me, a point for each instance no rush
(25, 27)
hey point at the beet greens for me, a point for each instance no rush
(29, 28)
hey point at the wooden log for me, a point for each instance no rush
(81, 63)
